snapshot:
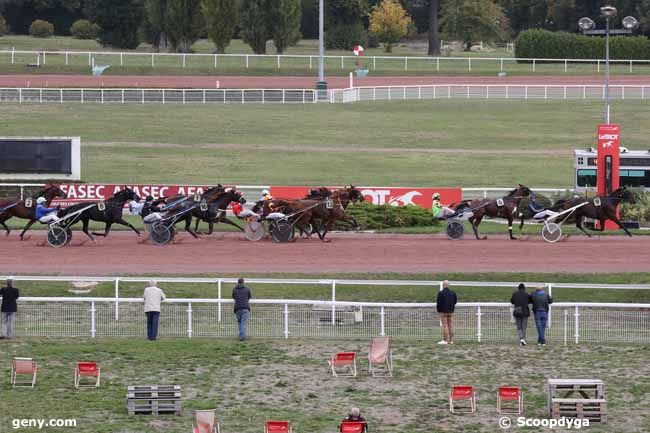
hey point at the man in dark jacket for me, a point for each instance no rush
(520, 299)
(446, 303)
(541, 300)
(242, 294)
(9, 308)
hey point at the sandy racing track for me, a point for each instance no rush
(120, 253)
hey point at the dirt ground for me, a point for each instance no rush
(121, 253)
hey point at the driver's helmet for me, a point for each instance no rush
(40, 200)
(149, 198)
(265, 192)
(436, 196)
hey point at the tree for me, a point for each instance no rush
(254, 24)
(344, 23)
(432, 34)
(284, 23)
(389, 22)
(221, 18)
(156, 22)
(473, 20)
(185, 24)
(119, 21)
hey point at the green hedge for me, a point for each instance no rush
(371, 217)
(639, 211)
(542, 44)
(41, 29)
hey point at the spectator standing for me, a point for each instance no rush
(9, 308)
(541, 300)
(520, 299)
(153, 297)
(446, 304)
(355, 416)
(242, 294)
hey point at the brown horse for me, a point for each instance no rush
(505, 207)
(26, 209)
(599, 208)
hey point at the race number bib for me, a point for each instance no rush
(329, 203)
(197, 198)
(597, 202)
(101, 206)
(28, 202)
(499, 202)
(203, 206)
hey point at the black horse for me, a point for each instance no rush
(109, 212)
(599, 208)
(505, 207)
(216, 210)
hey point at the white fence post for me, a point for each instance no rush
(333, 302)
(184, 55)
(13, 52)
(469, 64)
(66, 58)
(382, 315)
(82, 96)
(278, 62)
(406, 63)
(215, 60)
(550, 307)
(93, 330)
(286, 321)
(61, 95)
(341, 62)
(121, 59)
(577, 323)
(219, 300)
(501, 64)
(189, 320)
(117, 298)
(566, 325)
(152, 62)
(20, 96)
(478, 323)
(566, 65)
(122, 96)
(533, 65)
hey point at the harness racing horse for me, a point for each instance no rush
(327, 217)
(216, 211)
(505, 207)
(19, 208)
(600, 208)
(109, 212)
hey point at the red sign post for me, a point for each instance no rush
(609, 139)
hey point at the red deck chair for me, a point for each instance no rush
(380, 356)
(23, 367)
(344, 364)
(277, 427)
(510, 393)
(352, 427)
(459, 393)
(87, 369)
(205, 421)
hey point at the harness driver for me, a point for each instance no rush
(46, 215)
(438, 210)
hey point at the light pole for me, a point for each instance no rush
(321, 84)
(587, 26)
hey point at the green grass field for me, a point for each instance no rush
(249, 383)
(442, 143)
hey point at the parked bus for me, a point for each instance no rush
(634, 169)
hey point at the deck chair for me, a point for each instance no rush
(460, 393)
(277, 427)
(23, 367)
(380, 356)
(344, 364)
(352, 427)
(205, 421)
(510, 393)
(89, 370)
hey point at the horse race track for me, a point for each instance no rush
(347, 253)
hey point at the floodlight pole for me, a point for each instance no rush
(607, 108)
(321, 84)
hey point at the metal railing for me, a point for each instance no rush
(481, 322)
(310, 61)
(488, 91)
(157, 96)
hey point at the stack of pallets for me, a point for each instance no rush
(577, 398)
(154, 399)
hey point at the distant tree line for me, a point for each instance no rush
(174, 25)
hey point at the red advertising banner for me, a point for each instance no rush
(608, 161)
(378, 195)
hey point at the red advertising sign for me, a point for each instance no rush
(608, 161)
(379, 195)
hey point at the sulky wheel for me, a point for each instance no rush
(551, 232)
(161, 234)
(58, 237)
(283, 231)
(455, 230)
(254, 231)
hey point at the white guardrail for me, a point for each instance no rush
(489, 91)
(309, 61)
(252, 192)
(156, 96)
(285, 318)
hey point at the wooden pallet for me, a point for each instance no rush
(154, 399)
(595, 410)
